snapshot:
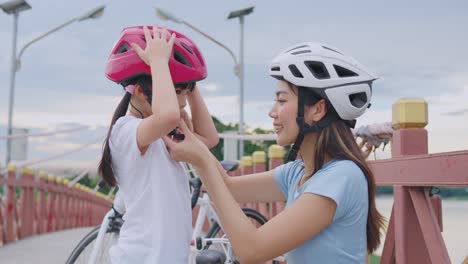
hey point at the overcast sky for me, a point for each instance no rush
(418, 48)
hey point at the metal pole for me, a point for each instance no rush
(241, 74)
(212, 39)
(12, 87)
(18, 60)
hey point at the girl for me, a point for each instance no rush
(330, 214)
(159, 79)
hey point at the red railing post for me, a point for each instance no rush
(22, 205)
(75, 205)
(67, 204)
(414, 222)
(41, 212)
(79, 217)
(10, 205)
(27, 202)
(259, 165)
(60, 203)
(247, 169)
(276, 156)
(51, 204)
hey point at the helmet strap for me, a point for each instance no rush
(305, 128)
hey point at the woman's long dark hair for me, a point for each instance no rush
(337, 141)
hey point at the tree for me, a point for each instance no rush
(249, 146)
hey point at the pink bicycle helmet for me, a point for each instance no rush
(186, 63)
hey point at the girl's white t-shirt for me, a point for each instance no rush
(155, 188)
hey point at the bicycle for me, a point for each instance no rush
(94, 247)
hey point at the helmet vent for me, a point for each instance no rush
(358, 99)
(186, 47)
(298, 47)
(300, 52)
(122, 49)
(181, 58)
(318, 69)
(276, 68)
(295, 71)
(330, 49)
(343, 72)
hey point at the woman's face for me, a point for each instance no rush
(284, 113)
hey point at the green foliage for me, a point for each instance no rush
(91, 182)
(445, 192)
(249, 146)
(374, 259)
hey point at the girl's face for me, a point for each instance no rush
(284, 113)
(182, 97)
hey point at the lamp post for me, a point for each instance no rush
(14, 7)
(240, 14)
(238, 67)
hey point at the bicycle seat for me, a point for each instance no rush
(229, 165)
(210, 256)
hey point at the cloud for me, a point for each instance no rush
(457, 113)
(62, 77)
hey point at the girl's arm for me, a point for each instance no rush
(203, 125)
(164, 104)
(298, 223)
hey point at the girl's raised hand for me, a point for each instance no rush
(191, 149)
(158, 47)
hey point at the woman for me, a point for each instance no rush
(330, 214)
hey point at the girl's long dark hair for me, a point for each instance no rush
(338, 142)
(105, 165)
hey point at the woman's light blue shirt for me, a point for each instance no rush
(344, 240)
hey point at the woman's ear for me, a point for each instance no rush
(316, 112)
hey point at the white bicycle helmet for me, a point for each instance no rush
(331, 75)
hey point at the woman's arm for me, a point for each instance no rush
(246, 188)
(301, 221)
(203, 125)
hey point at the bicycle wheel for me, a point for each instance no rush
(256, 217)
(82, 251)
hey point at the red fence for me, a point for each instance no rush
(32, 207)
(415, 226)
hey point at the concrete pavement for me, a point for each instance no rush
(49, 248)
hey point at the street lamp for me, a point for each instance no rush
(165, 15)
(14, 7)
(238, 67)
(240, 14)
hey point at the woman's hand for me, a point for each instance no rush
(368, 148)
(184, 116)
(190, 150)
(158, 47)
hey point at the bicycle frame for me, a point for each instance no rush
(206, 211)
(120, 207)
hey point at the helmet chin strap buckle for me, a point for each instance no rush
(176, 135)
